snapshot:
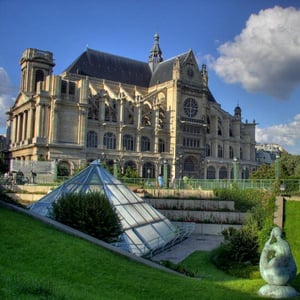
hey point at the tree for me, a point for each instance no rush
(290, 168)
(90, 213)
(264, 172)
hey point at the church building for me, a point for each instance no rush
(150, 116)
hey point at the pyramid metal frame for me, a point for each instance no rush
(144, 229)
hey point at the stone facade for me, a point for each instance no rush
(153, 117)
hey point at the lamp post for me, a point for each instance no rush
(148, 172)
(277, 167)
(116, 168)
(165, 174)
(102, 158)
(235, 169)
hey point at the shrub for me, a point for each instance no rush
(241, 248)
(244, 199)
(90, 213)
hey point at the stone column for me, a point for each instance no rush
(24, 125)
(38, 118)
(18, 128)
(31, 122)
(121, 110)
(156, 128)
(82, 126)
(13, 129)
(102, 110)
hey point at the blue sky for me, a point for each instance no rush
(251, 48)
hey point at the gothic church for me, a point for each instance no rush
(142, 115)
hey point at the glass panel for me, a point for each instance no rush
(135, 244)
(156, 215)
(150, 236)
(114, 190)
(129, 194)
(147, 217)
(135, 214)
(124, 215)
(165, 231)
(107, 178)
(112, 198)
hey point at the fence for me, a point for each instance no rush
(44, 177)
(290, 185)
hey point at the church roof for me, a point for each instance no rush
(111, 67)
(164, 70)
(144, 228)
(116, 68)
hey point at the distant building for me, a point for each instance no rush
(142, 115)
(267, 153)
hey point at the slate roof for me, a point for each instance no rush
(111, 67)
(164, 70)
(116, 68)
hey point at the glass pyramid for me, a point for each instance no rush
(145, 230)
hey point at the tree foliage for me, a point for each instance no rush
(242, 246)
(289, 168)
(90, 213)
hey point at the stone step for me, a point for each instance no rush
(191, 204)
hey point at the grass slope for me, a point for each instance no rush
(39, 262)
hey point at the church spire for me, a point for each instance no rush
(155, 56)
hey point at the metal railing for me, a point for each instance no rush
(158, 244)
(291, 185)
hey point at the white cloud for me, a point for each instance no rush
(283, 134)
(265, 57)
(7, 93)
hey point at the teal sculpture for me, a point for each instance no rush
(277, 267)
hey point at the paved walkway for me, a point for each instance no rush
(194, 242)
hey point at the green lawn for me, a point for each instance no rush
(39, 262)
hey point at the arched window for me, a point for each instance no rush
(145, 143)
(64, 87)
(189, 164)
(220, 127)
(207, 150)
(92, 139)
(94, 107)
(231, 152)
(128, 142)
(223, 173)
(220, 151)
(148, 170)
(111, 111)
(162, 117)
(230, 130)
(129, 164)
(146, 116)
(39, 76)
(161, 146)
(211, 172)
(109, 140)
(207, 124)
(63, 168)
(129, 113)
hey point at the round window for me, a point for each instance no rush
(190, 107)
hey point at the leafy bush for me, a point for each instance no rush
(90, 213)
(241, 248)
(244, 199)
